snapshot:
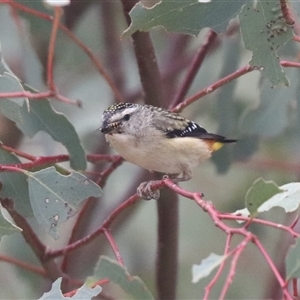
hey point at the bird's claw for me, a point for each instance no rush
(144, 191)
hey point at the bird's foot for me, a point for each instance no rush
(145, 191)
(179, 177)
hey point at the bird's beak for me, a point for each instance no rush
(108, 127)
(105, 128)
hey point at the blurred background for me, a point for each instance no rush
(265, 120)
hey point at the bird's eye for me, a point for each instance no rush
(126, 117)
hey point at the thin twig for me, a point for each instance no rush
(96, 62)
(114, 246)
(286, 13)
(244, 70)
(194, 67)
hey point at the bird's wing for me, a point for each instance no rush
(175, 125)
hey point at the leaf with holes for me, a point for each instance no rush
(264, 30)
(55, 197)
(189, 16)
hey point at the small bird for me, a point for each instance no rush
(159, 140)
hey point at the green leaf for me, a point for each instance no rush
(9, 84)
(289, 199)
(189, 16)
(264, 30)
(206, 266)
(271, 117)
(38, 115)
(55, 197)
(260, 192)
(132, 285)
(42, 117)
(292, 261)
(83, 293)
(14, 185)
(6, 227)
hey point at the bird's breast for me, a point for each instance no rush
(169, 156)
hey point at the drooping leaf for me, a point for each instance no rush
(42, 117)
(206, 266)
(260, 192)
(264, 30)
(292, 261)
(55, 197)
(189, 16)
(14, 185)
(6, 227)
(132, 285)
(83, 293)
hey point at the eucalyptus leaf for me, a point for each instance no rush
(55, 197)
(14, 185)
(292, 261)
(206, 266)
(6, 227)
(288, 199)
(264, 30)
(189, 16)
(132, 285)
(42, 117)
(260, 192)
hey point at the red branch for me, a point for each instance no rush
(215, 215)
(209, 287)
(213, 87)
(286, 13)
(244, 70)
(96, 62)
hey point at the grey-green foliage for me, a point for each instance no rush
(118, 274)
(55, 197)
(189, 16)
(32, 116)
(260, 192)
